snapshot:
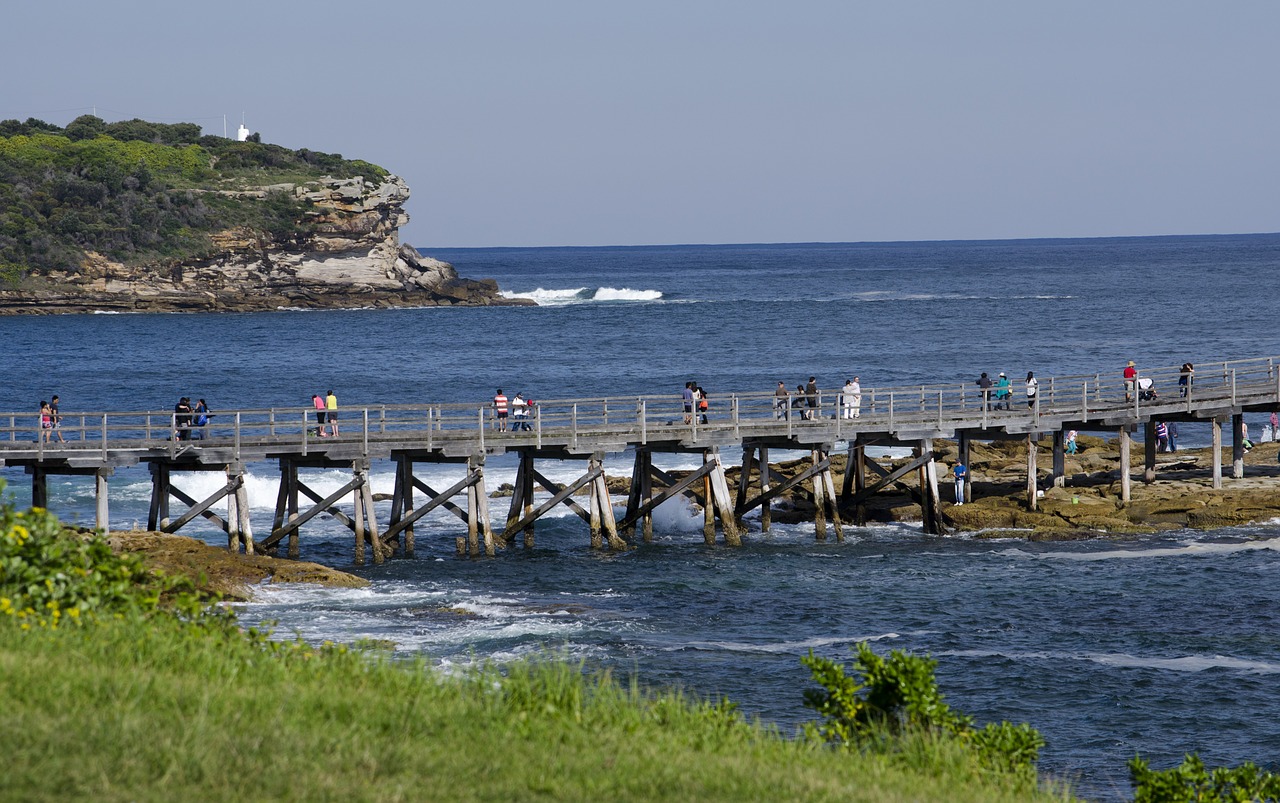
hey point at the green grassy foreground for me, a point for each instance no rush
(133, 710)
(116, 684)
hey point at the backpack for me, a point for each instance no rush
(202, 420)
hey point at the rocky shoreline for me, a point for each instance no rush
(352, 258)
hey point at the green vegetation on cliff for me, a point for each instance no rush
(139, 192)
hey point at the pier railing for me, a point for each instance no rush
(645, 418)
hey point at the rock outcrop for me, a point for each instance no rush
(349, 256)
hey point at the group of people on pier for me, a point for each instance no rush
(189, 421)
(518, 408)
(326, 414)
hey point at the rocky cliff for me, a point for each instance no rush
(347, 253)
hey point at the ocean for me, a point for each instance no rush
(1156, 645)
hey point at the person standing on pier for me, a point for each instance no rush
(519, 413)
(780, 403)
(1004, 391)
(687, 397)
(703, 405)
(1033, 387)
(1184, 379)
(46, 421)
(182, 419)
(984, 387)
(811, 396)
(318, 403)
(846, 400)
(57, 419)
(201, 421)
(961, 473)
(500, 409)
(857, 398)
(331, 412)
(1130, 380)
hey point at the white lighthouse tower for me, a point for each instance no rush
(242, 133)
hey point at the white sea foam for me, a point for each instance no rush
(584, 295)
(779, 648)
(1187, 549)
(1186, 663)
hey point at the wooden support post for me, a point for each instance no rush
(1033, 486)
(233, 515)
(633, 492)
(607, 520)
(929, 491)
(819, 500)
(720, 493)
(242, 510)
(1059, 458)
(39, 488)
(1149, 452)
(859, 482)
(480, 520)
(646, 496)
(1237, 446)
(1217, 453)
(593, 505)
(1124, 465)
(766, 513)
(744, 477)
(527, 496)
(293, 550)
(406, 502)
(830, 482)
(371, 517)
(101, 519)
(357, 502)
(708, 506)
(517, 493)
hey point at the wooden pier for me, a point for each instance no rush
(593, 431)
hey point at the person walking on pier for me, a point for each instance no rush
(1130, 380)
(984, 387)
(318, 403)
(686, 396)
(331, 412)
(1033, 387)
(961, 473)
(780, 402)
(46, 421)
(811, 396)
(58, 419)
(500, 408)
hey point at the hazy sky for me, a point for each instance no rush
(597, 122)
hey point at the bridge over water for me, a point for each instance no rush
(593, 429)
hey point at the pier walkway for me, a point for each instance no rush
(590, 430)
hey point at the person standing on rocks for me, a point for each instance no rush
(1162, 436)
(961, 473)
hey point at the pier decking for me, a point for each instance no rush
(590, 430)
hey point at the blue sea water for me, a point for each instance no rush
(1158, 645)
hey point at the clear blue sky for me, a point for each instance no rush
(595, 122)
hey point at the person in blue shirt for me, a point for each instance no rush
(1003, 391)
(961, 473)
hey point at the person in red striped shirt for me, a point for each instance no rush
(500, 407)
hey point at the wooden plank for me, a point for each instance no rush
(333, 511)
(438, 500)
(720, 490)
(190, 502)
(560, 497)
(762, 470)
(323, 505)
(786, 485)
(550, 487)
(890, 478)
(670, 481)
(198, 509)
(447, 505)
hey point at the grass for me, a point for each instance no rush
(136, 709)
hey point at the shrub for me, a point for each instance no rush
(1191, 781)
(898, 695)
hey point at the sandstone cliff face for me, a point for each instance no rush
(352, 258)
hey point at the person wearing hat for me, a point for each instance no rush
(1004, 390)
(1130, 379)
